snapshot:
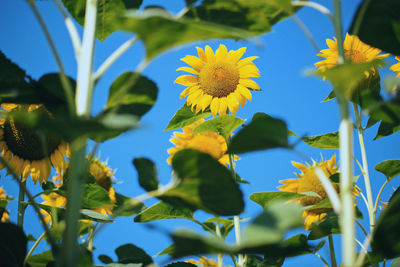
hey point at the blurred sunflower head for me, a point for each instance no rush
(396, 68)
(207, 142)
(307, 181)
(204, 262)
(4, 216)
(221, 80)
(354, 49)
(103, 176)
(27, 153)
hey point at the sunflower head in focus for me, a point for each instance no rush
(307, 181)
(355, 50)
(4, 216)
(396, 68)
(220, 80)
(204, 262)
(207, 142)
(27, 153)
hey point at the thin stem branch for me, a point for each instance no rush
(364, 199)
(234, 260)
(367, 182)
(379, 195)
(332, 251)
(63, 78)
(316, 6)
(322, 259)
(34, 247)
(338, 29)
(90, 238)
(73, 32)
(21, 205)
(218, 231)
(360, 16)
(306, 32)
(362, 228)
(364, 253)
(114, 57)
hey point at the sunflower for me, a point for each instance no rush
(221, 80)
(396, 68)
(206, 142)
(204, 262)
(103, 176)
(4, 216)
(308, 181)
(354, 49)
(25, 152)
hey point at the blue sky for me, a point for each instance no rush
(285, 54)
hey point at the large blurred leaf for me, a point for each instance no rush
(185, 116)
(222, 125)
(205, 184)
(130, 253)
(13, 245)
(131, 93)
(127, 206)
(328, 226)
(16, 86)
(69, 129)
(390, 168)
(266, 198)
(147, 173)
(386, 129)
(325, 141)
(386, 238)
(163, 210)
(263, 132)
(106, 11)
(388, 111)
(41, 260)
(379, 24)
(347, 78)
(181, 264)
(95, 196)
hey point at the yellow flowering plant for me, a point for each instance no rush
(52, 124)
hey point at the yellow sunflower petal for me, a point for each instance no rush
(205, 101)
(289, 185)
(210, 54)
(221, 53)
(8, 106)
(26, 170)
(244, 91)
(240, 97)
(300, 166)
(309, 220)
(248, 71)
(223, 105)
(233, 104)
(245, 61)
(249, 84)
(234, 56)
(201, 54)
(187, 69)
(193, 61)
(214, 106)
(187, 80)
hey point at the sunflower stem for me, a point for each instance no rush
(21, 206)
(365, 169)
(218, 231)
(332, 251)
(91, 237)
(34, 247)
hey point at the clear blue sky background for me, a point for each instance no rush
(287, 93)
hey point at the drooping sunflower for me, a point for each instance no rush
(206, 142)
(204, 262)
(25, 152)
(307, 181)
(396, 68)
(354, 49)
(221, 80)
(4, 216)
(103, 176)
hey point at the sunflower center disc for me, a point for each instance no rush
(26, 144)
(219, 79)
(356, 56)
(206, 144)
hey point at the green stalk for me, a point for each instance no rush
(84, 92)
(90, 238)
(367, 182)
(21, 206)
(34, 247)
(332, 251)
(218, 231)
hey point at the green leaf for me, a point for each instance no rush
(127, 206)
(163, 210)
(386, 111)
(185, 116)
(131, 93)
(130, 253)
(147, 173)
(16, 86)
(386, 238)
(378, 24)
(263, 132)
(13, 245)
(95, 216)
(264, 199)
(105, 12)
(42, 259)
(386, 129)
(325, 141)
(395, 263)
(328, 226)
(205, 184)
(323, 204)
(227, 224)
(222, 125)
(105, 259)
(390, 168)
(95, 196)
(181, 264)
(348, 77)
